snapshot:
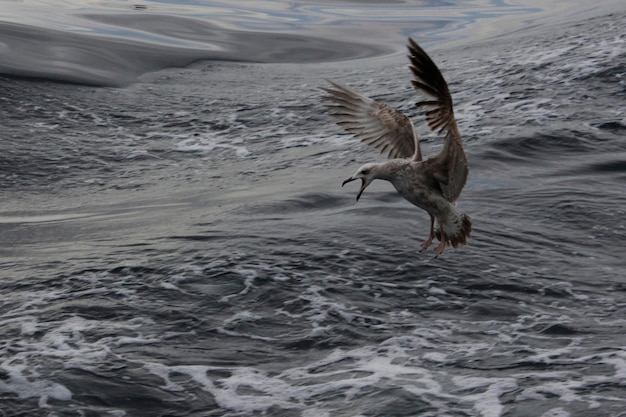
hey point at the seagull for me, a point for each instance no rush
(432, 184)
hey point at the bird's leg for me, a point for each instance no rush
(442, 244)
(431, 236)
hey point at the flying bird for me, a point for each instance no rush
(432, 184)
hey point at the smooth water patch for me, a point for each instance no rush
(113, 43)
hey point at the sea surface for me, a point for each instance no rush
(175, 240)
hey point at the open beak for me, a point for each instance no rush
(362, 186)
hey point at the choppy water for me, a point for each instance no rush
(183, 247)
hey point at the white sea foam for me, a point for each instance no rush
(486, 403)
(249, 390)
(346, 372)
(333, 140)
(249, 274)
(556, 412)
(207, 143)
(239, 318)
(47, 342)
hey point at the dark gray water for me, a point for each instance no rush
(183, 247)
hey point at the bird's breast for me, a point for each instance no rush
(419, 191)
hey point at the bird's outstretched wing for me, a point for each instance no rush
(376, 124)
(449, 167)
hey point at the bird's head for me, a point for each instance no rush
(367, 173)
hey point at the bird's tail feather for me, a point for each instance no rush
(457, 228)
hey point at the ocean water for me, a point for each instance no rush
(175, 241)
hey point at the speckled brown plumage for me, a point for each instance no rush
(433, 184)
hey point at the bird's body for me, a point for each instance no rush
(414, 184)
(432, 184)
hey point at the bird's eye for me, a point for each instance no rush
(365, 171)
